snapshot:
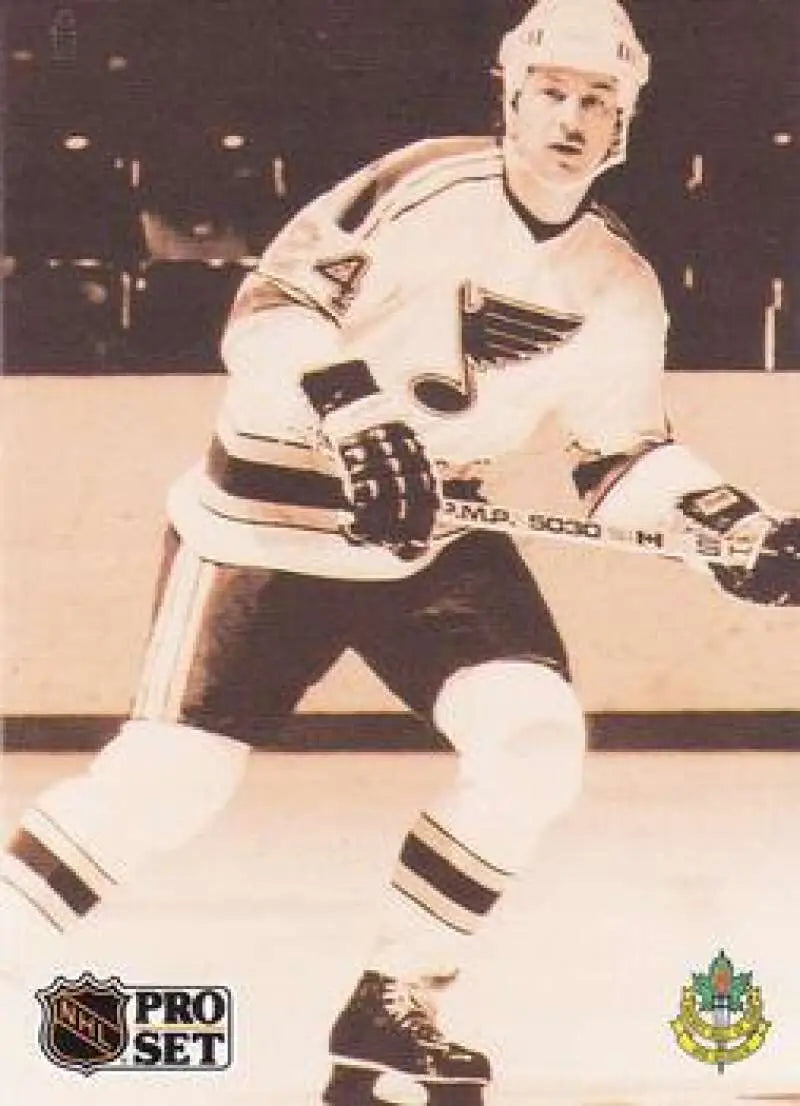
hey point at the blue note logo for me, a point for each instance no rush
(496, 333)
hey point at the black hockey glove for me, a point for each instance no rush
(773, 577)
(388, 477)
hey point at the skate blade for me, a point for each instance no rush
(429, 1094)
(399, 1090)
(352, 1086)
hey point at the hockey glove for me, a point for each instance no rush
(773, 576)
(388, 477)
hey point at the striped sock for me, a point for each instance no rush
(441, 892)
(52, 872)
(445, 878)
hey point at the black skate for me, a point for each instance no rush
(387, 1049)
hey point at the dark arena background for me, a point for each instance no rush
(142, 133)
(150, 149)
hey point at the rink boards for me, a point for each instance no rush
(92, 456)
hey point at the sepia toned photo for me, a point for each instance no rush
(400, 555)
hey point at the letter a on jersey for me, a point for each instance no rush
(346, 273)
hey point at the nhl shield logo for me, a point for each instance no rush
(83, 1022)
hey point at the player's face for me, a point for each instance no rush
(564, 122)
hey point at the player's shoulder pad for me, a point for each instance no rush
(413, 174)
(614, 224)
(622, 250)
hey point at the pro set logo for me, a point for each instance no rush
(89, 1025)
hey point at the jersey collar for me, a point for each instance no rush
(540, 230)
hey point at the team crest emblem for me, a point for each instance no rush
(83, 1022)
(721, 1018)
(496, 333)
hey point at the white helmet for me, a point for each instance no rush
(593, 35)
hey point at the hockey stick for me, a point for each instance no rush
(522, 522)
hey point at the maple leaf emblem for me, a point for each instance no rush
(721, 986)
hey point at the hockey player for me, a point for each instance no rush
(404, 334)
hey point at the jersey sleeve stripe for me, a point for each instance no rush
(443, 170)
(255, 515)
(408, 169)
(432, 194)
(359, 207)
(273, 483)
(259, 293)
(264, 448)
(297, 296)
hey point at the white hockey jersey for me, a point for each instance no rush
(426, 267)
